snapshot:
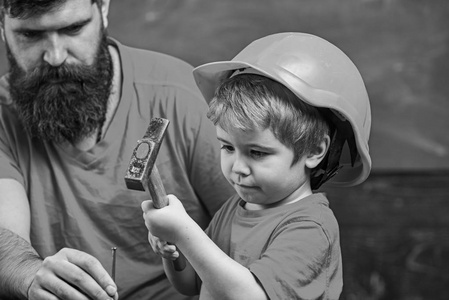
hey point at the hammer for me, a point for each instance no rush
(142, 173)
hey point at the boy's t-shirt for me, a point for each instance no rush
(293, 250)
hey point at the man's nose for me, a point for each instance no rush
(55, 52)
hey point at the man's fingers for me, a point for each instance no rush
(47, 286)
(72, 275)
(99, 283)
(43, 295)
(36, 292)
(83, 271)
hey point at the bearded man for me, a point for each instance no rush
(72, 107)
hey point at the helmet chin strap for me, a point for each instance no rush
(330, 165)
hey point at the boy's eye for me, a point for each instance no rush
(258, 154)
(227, 148)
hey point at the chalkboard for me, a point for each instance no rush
(394, 236)
(400, 46)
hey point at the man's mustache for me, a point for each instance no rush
(47, 74)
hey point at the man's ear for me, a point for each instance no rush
(2, 30)
(313, 159)
(105, 11)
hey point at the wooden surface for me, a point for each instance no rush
(395, 236)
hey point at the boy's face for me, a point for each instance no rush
(260, 169)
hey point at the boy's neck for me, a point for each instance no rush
(287, 201)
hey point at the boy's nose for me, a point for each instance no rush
(55, 52)
(240, 167)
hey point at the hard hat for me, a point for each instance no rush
(318, 73)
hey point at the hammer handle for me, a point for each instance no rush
(160, 200)
(156, 189)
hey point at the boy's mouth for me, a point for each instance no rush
(244, 186)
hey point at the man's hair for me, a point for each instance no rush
(249, 101)
(23, 9)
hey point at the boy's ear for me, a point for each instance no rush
(313, 159)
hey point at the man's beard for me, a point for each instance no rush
(64, 103)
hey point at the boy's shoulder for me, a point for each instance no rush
(313, 209)
(312, 206)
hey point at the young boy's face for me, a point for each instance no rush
(260, 169)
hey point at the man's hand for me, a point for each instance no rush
(72, 274)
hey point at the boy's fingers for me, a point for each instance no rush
(146, 205)
(169, 248)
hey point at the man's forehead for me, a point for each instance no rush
(64, 14)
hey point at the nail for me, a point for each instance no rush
(113, 262)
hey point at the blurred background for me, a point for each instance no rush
(394, 227)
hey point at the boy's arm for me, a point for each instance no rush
(184, 281)
(222, 277)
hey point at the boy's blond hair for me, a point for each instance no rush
(249, 101)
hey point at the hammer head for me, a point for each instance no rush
(144, 155)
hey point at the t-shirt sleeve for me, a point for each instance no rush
(295, 262)
(8, 162)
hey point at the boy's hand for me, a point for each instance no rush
(162, 248)
(167, 223)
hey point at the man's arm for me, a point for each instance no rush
(69, 274)
(18, 264)
(18, 260)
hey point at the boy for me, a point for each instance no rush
(291, 111)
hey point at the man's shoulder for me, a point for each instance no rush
(155, 66)
(161, 60)
(155, 72)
